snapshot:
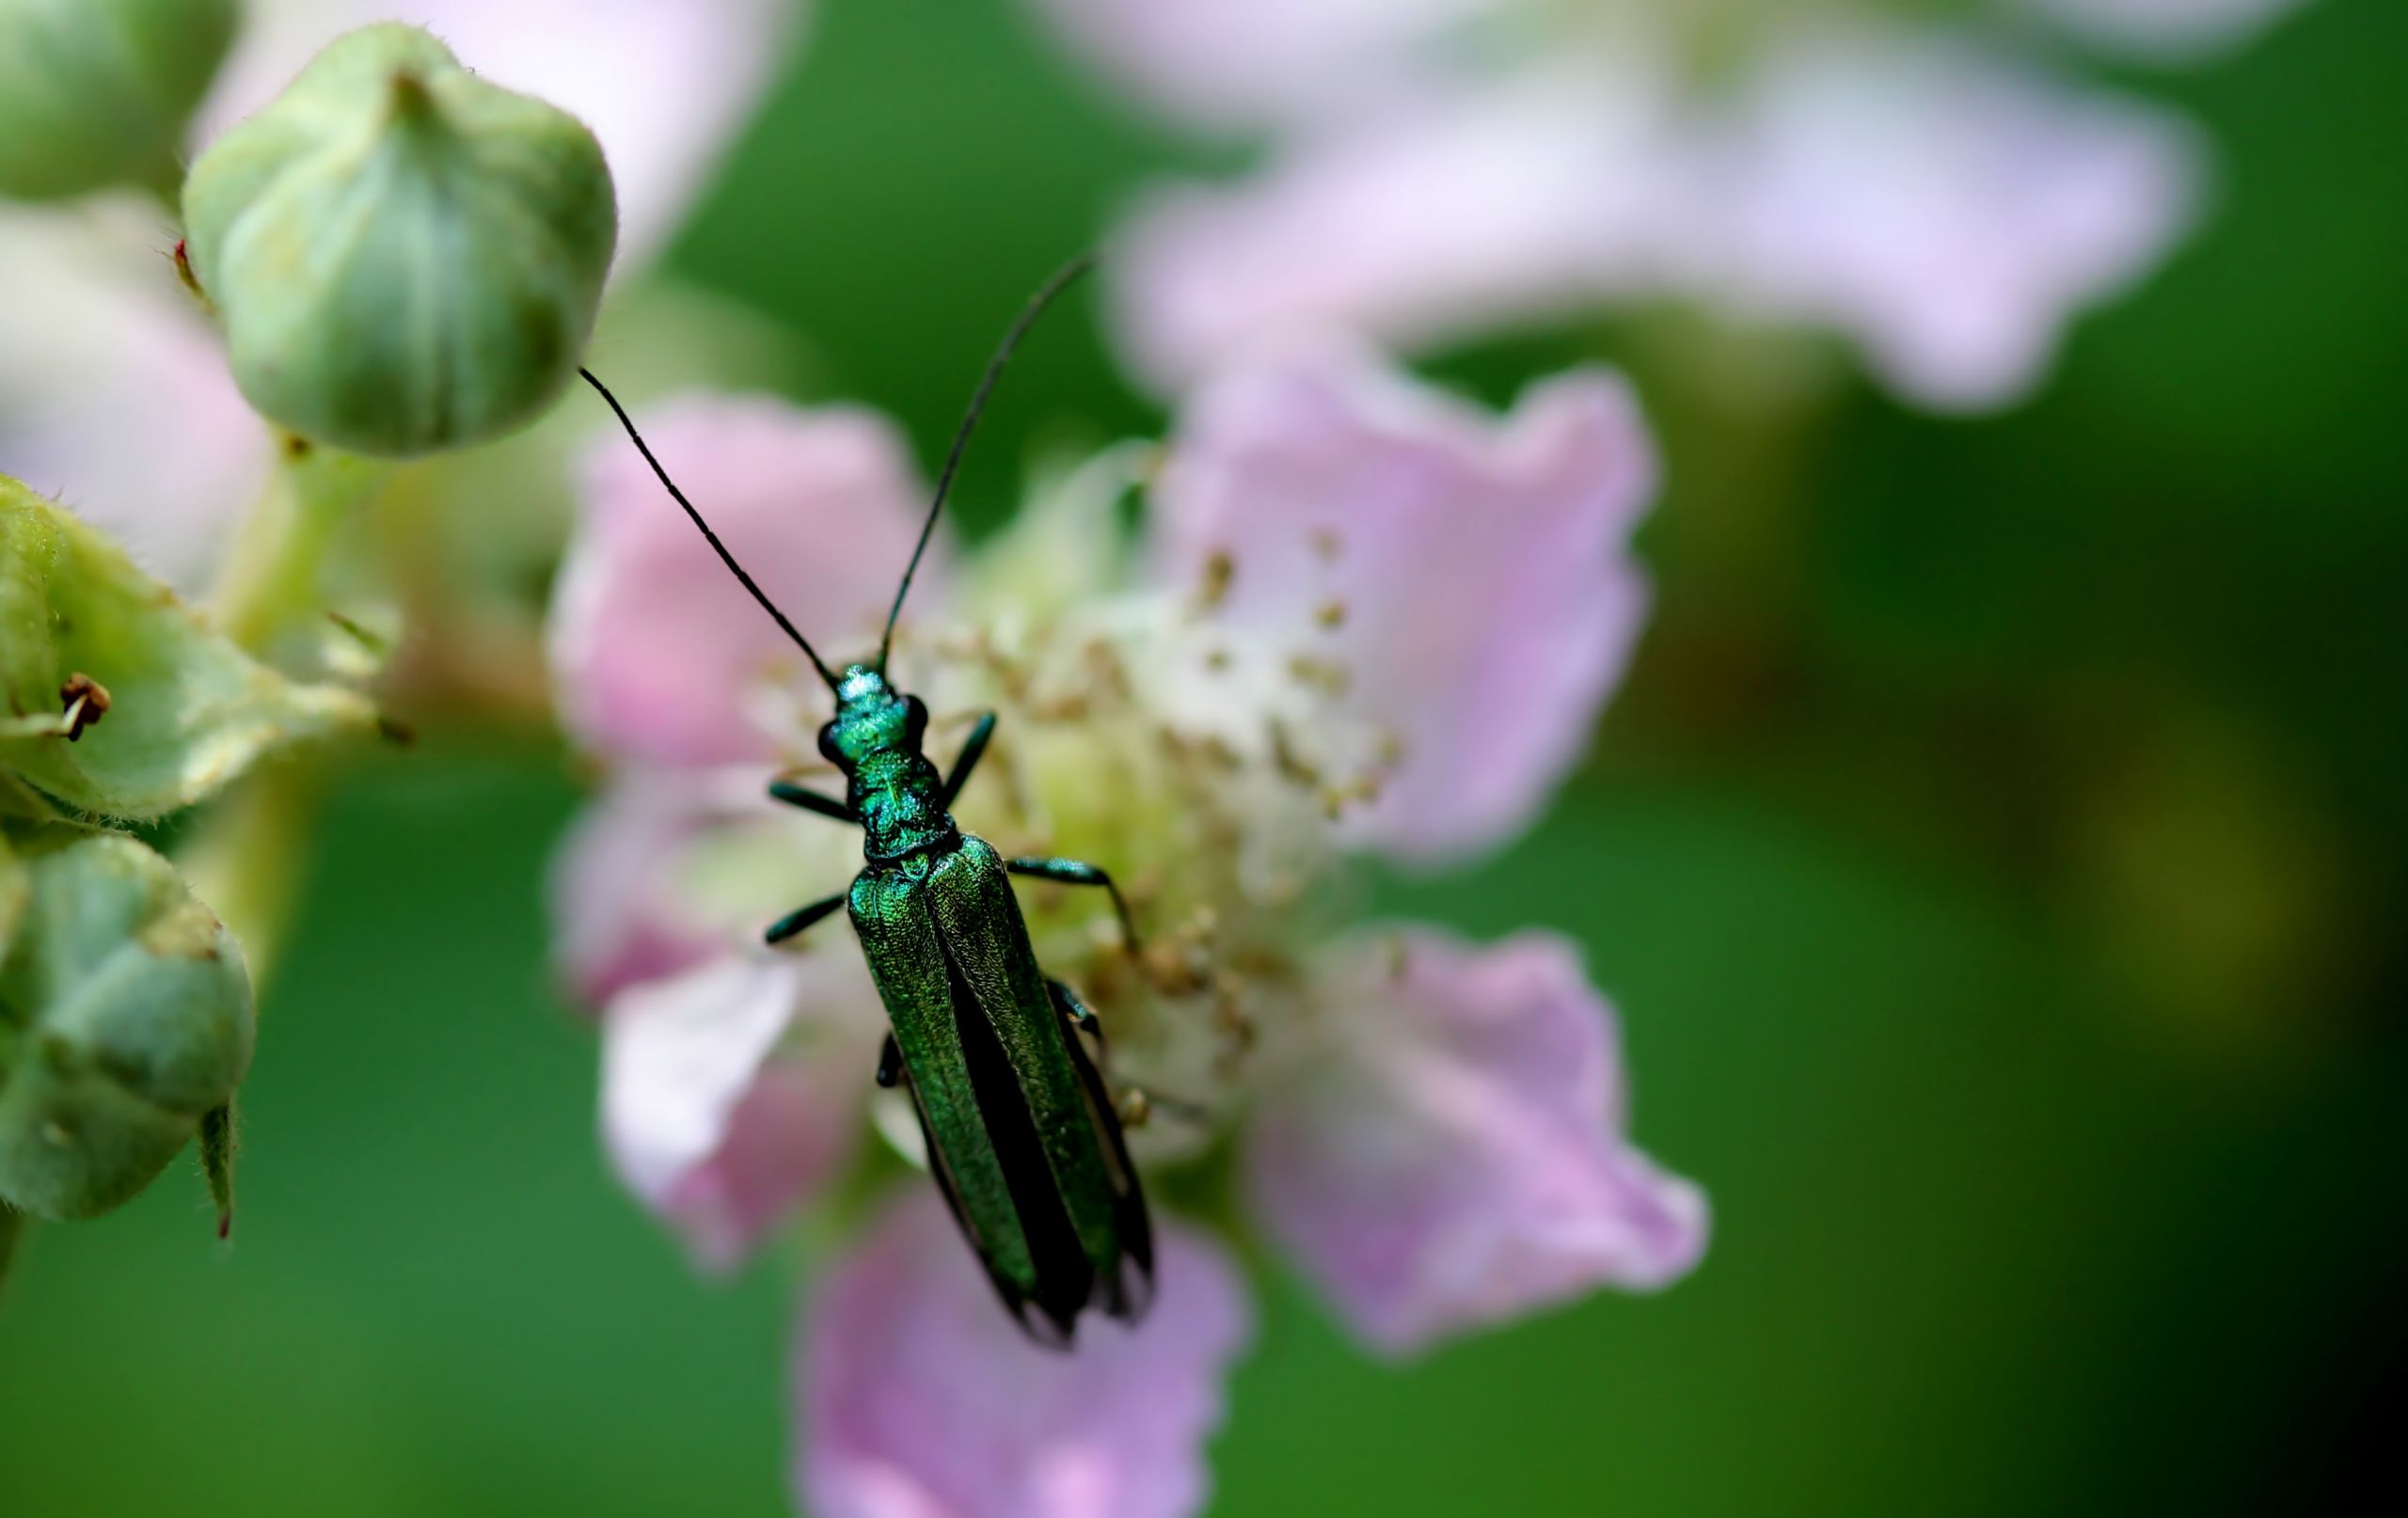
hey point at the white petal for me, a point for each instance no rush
(709, 1119)
(1229, 63)
(114, 391)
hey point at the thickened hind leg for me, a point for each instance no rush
(1078, 873)
(890, 1063)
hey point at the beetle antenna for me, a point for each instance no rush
(708, 536)
(1062, 279)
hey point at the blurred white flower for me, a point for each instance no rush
(113, 392)
(1463, 167)
(1227, 64)
(2165, 30)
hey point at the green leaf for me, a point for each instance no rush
(126, 1019)
(186, 710)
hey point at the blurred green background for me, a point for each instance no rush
(1997, 857)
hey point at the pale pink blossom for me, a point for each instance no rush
(659, 655)
(921, 1399)
(1345, 573)
(1459, 1156)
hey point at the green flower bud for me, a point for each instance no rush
(125, 1019)
(408, 259)
(97, 92)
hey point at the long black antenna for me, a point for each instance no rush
(708, 536)
(1062, 279)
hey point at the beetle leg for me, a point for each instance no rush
(890, 1063)
(795, 922)
(1073, 872)
(810, 800)
(972, 750)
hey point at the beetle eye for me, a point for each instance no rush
(915, 719)
(828, 749)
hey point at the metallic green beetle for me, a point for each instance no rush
(1021, 1134)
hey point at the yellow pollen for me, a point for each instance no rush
(1291, 765)
(1220, 568)
(1325, 676)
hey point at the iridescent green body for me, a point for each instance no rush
(1022, 1134)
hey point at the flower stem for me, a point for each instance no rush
(248, 859)
(272, 580)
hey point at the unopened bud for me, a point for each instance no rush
(408, 259)
(125, 1019)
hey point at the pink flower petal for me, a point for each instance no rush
(618, 909)
(920, 1398)
(1951, 212)
(664, 87)
(1439, 216)
(1460, 1160)
(659, 653)
(732, 1092)
(1486, 599)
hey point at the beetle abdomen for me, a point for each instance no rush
(1021, 1134)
